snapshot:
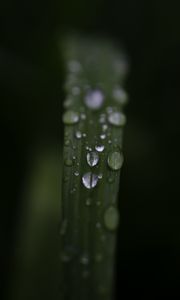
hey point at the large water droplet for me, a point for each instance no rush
(70, 117)
(90, 180)
(94, 99)
(120, 95)
(92, 158)
(99, 148)
(117, 119)
(115, 160)
(111, 218)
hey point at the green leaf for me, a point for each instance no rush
(94, 120)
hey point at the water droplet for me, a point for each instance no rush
(83, 116)
(111, 218)
(67, 103)
(76, 90)
(90, 180)
(102, 118)
(68, 162)
(120, 95)
(63, 227)
(78, 134)
(100, 176)
(98, 225)
(110, 179)
(92, 158)
(117, 119)
(84, 135)
(65, 257)
(85, 274)
(104, 127)
(102, 136)
(76, 173)
(99, 148)
(98, 257)
(67, 142)
(115, 160)
(74, 66)
(84, 260)
(109, 109)
(94, 99)
(88, 202)
(70, 117)
(98, 203)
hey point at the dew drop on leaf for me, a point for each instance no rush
(70, 117)
(78, 134)
(90, 180)
(99, 148)
(102, 136)
(117, 119)
(115, 160)
(94, 99)
(92, 158)
(111, 218)
(120, 96)
(84, 260)
(68, 162)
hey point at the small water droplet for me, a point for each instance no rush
(76, 90)
(84, 260)
(70, 117)
(102, 136)
(111, 218)
(102, 118)
(78, 134)
(98, 257)
(98, 203)
(98, 225)
(67, 103)
(83, 116)
(94, 99)
(74, 66)
(68, 162)
(63, 227)
(76, 173)
(110, 179)
(100, 176)
(120, 95)
(115, 160)
(88, 202)
(85, 274)
(90, 180)
(117, 119)
(109, 109)
(84, 135)
(67, 142)
(99, 148)
(65, 257)
(104, 127)
(92, 158)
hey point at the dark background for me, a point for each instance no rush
(31, 77)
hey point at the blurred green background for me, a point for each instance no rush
(31, 94)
